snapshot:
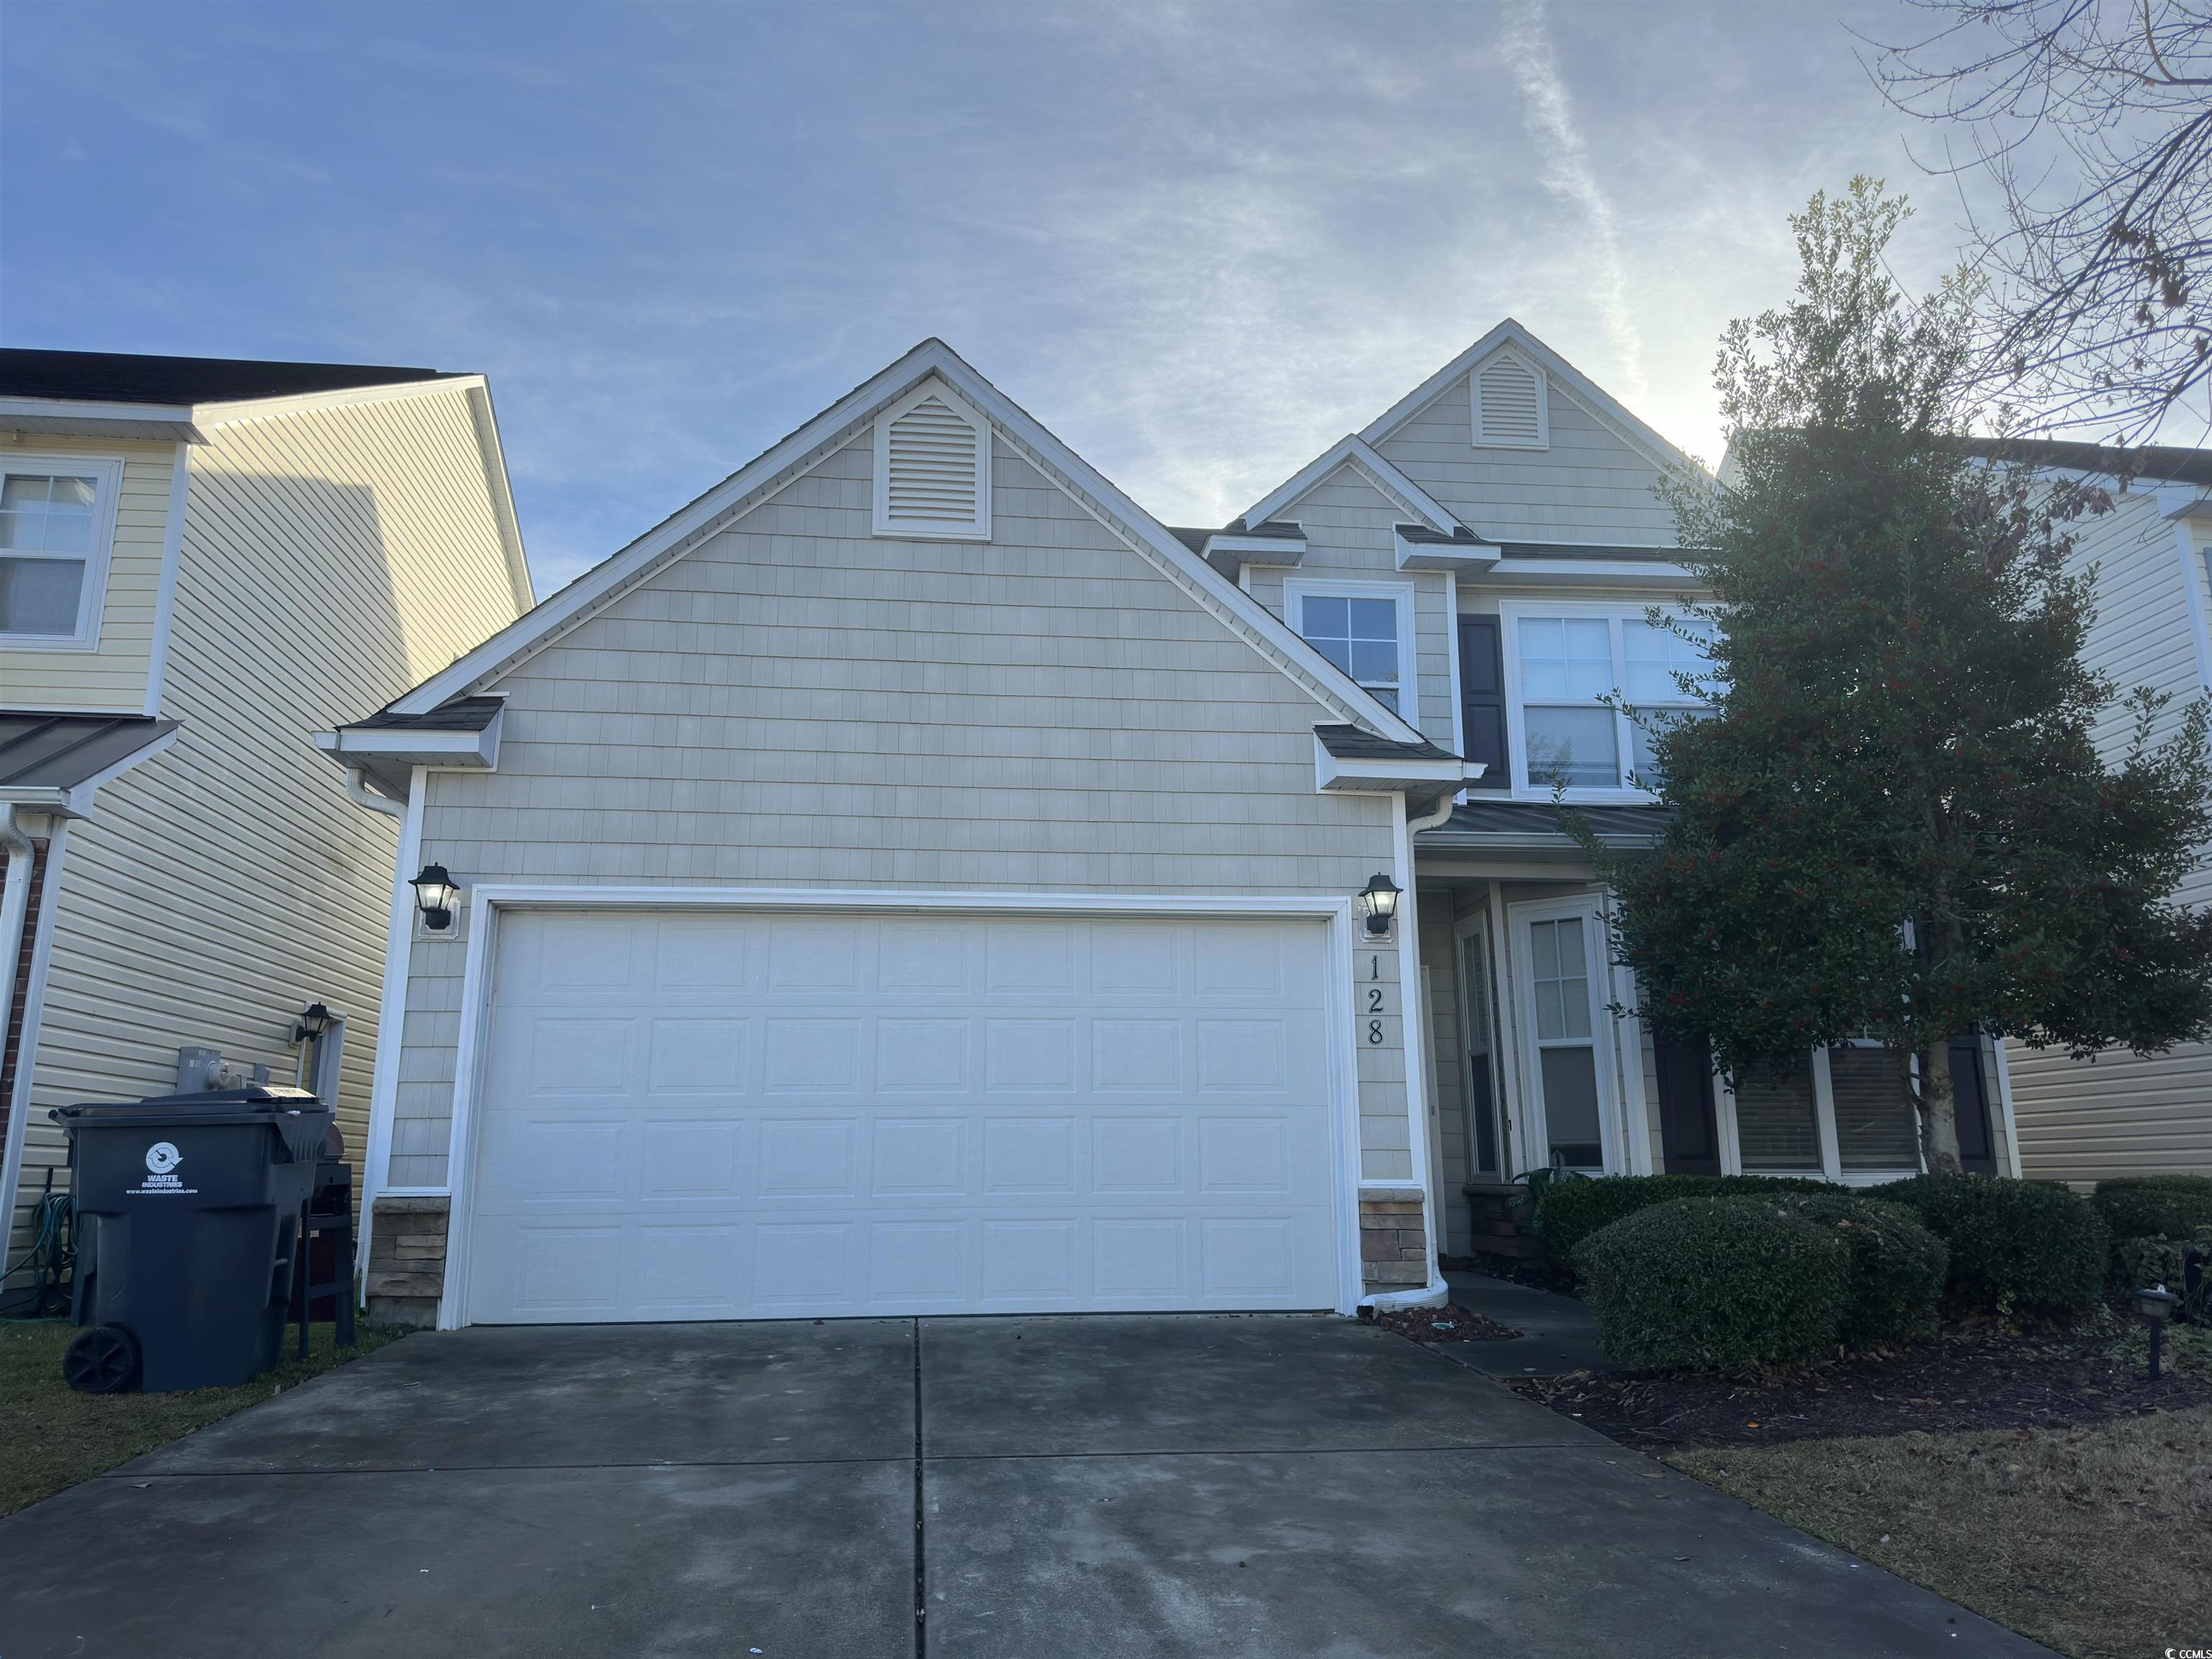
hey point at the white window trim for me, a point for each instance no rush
(975, 530)
(92, 603)
(1535, 1148)
(1510, 613)
(1297, 589)
(1543, 402)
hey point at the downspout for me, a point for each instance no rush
(15, 907)
(359, 792)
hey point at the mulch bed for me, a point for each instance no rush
(1959, 1383)
(1445, 1325)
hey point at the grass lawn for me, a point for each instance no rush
(51, 1438)
(2095, 1541)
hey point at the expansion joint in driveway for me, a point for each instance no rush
(920, 1578)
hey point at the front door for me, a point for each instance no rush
(1690, 1138)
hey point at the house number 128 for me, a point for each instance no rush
(1375, 1002)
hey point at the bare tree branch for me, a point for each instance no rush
(2093, 120)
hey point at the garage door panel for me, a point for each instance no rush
(731, 1116)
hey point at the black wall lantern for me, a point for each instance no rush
(1378, 903)
(313, 1023)
(434, 896)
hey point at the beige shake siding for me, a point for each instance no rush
(801, 702)
(2121, 1114)
(112, 676)
(332, 558)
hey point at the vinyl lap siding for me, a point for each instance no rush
(799, 702)
(2121, 1113)
(331, 559)
(115, 676)
(1590, 486)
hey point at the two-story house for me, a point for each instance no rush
(2121, 1114)
(202, 561)
(913, 879)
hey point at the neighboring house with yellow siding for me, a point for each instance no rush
(202, 561)
(2121, 1114)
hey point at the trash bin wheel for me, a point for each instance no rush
(104, 1360)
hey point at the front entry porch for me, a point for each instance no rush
(1536, 1061)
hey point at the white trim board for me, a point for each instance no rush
(711, 512)
(31, 999)
(488, 901)
(172, 554)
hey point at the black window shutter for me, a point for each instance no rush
(1482, 700)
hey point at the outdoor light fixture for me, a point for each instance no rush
(1378, 903)
(434, 895)
(312, 1024)
(2156, 1305)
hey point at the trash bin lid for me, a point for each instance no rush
(262, 1100)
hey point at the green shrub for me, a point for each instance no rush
(2149, 1206)
(1715, 1282)
(2013, 1243)
(1568, 1212)
(1898, 1269)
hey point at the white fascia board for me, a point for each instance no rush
(469, 751)
(67, 418)
(1333, 775)
(259, 408)
(1587, 573)
(1354, 449)
(2182, 502)
(1231, 554)
(1588, 393)
(485, 419)
(76, 800)
(598, 587)
(1476, 556)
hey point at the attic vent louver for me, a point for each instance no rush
(932, 469)
(1511, 407)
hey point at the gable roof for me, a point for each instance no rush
(707, 515)
(1626, 425)
(117, 377)
(1355, 451)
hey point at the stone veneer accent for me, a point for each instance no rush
(407, 1261)
(1394, 1251)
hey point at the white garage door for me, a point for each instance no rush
(718, 1116)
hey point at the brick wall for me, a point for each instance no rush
(407, 1261)
(1394, 1252)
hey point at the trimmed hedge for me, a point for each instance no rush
(2156, 1206)
(1715, 1282)
(2013, 1243)
(1898, 1269)
(1570, 1211)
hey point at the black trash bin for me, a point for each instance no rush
(187, 1218)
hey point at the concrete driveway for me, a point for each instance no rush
(1012, 1488)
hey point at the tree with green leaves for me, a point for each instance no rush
(1891, 822)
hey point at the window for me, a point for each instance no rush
(1777, 1125)
(1566, 1043)
(1363, 629)
(1876, 1128)
(1567, 663)
(56, 517)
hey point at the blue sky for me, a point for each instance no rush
(1197, 242)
